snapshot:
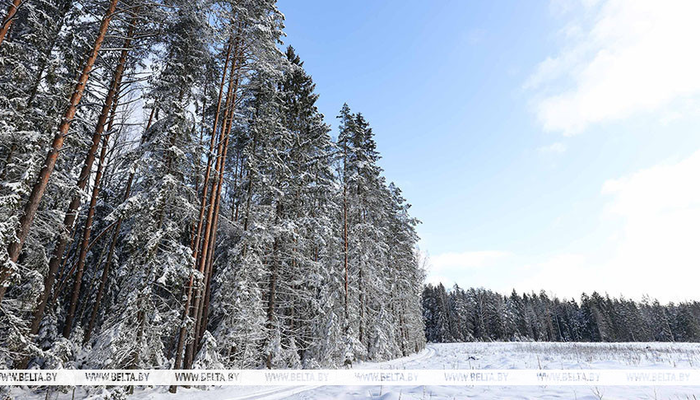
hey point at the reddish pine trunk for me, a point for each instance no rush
(87, 231)
(197, 240)
(204, 307)
(198, 236)
(9, 19)
(72, 213)
(110, 253)
(42, 181)
(362, 306)
(212, 215)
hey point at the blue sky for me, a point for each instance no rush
(544, 144)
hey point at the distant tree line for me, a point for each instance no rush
(459, 315)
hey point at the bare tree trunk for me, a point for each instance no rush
(72, 213)
(204, 314)
(87, 231)
(345, 230)
(9, 19)
(204, 307)
(213, 212)
(362, 306)
(272, 287)
(83, 179)
(42, 181)
(110, 253)
(198, 236)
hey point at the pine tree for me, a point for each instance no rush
(32, 204)
(199, 214)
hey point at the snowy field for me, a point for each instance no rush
(482, 356)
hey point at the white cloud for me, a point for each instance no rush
(557, 148)
(655, 245)
(629, 56)
(565, 275)
(657, 190)
(471, 268)
(659, 244)
(451, 262)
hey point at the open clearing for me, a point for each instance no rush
(545, 356)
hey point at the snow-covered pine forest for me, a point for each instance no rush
(459, 315)
(171, 197)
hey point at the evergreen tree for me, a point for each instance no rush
(480, 314)
(199, 214)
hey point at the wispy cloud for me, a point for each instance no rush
(624, 57)
(658, 244)
(654, 218)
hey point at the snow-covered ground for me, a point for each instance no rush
(489, 356)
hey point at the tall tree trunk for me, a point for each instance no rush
(345, 230)
(197, 239)
(272, 287)
(87, 231)
(42, 181)
(9, 19)
(204, 313)
(212, 214)
(112, 246)
(204, 307)
(360, 289)
(72, 213)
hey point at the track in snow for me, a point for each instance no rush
(514, 356)
(412, 361)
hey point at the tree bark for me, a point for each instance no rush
(207, 245)
(362, 306)
(87, 231)
(272, 288)
(42, 181)
(197, 239)
(345, 229)
(72, 213)
(208, 269)
(110, 253)
(9, 19)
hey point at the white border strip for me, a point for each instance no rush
(349, 377)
